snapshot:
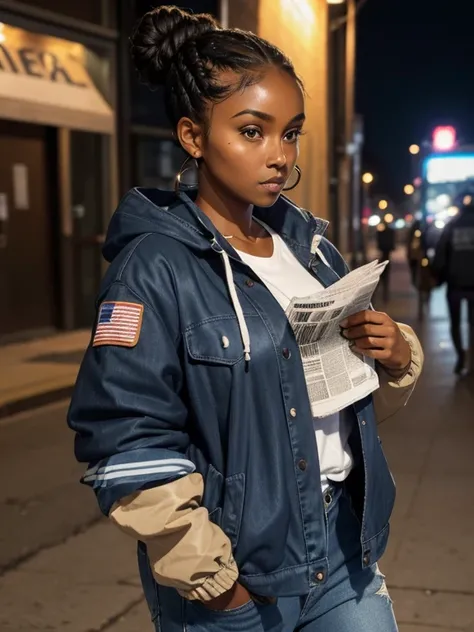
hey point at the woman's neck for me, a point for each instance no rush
(229, 215)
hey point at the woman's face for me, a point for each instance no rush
(252, 143)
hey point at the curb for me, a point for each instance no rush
(35, 401)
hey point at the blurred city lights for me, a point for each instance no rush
(467, 200)
(409, 189)
(336, 1)
(440, 224)
(367, 178)
(453, 211)
(400, 223)
(409, 218)
(425, 262)
(418, 233)
(388, 218)
(374, 220)
(2, 34)
(381, 228)
(414, 150)
(444, 138)
(383, 204)
(417, 181)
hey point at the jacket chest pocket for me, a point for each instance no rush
(216, 340)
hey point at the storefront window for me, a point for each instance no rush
(94, 11)
(159, 160)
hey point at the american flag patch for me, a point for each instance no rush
(118, 324)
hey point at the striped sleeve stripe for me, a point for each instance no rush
(167, 470)
(104, 469)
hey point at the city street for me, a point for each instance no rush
(64, 568)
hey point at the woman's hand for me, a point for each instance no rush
(376, 335)
(236, 597)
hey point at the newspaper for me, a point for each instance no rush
(336, 376)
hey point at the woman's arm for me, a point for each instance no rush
(131, 428)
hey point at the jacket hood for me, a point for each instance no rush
(176, 215)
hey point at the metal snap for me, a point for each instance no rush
(286, 353)
(293, 412)
(302, 465)
(225, 342)
(319, 576)
(249, 283)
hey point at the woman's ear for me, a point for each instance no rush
(190, 136)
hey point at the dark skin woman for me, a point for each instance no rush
(199, 419)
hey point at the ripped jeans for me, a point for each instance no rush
(354, 599)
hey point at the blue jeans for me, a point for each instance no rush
(354, 599)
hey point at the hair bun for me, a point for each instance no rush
(160, 34)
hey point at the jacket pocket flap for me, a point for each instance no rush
(215, 340)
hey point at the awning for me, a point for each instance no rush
(24, 98)
(47, 81)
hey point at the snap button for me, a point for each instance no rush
(366, 559)
(286, 353)
(225, 342)
(249, 283)
(319, 576)
(293, 412)
(328, 499)
(302, 465)
(364, 422)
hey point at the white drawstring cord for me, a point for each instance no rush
(244, 332)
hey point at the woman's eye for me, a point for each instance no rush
(293, 136)
(251, 134)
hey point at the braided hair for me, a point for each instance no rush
(187, 53)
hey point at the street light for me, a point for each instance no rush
(388, 218)
(414, 150)
(409, 189)
(367, 178)
(383, 205)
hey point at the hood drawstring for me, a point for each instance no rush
(244, 332)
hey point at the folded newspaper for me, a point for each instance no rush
(336, 376)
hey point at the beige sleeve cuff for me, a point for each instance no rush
(186, 550)
(394, 394)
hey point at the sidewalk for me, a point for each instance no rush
(40, 371)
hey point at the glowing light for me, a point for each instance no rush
(417, 181)
(467, 200)
(388, 218)
(374, 220)
(400, 223)
(409, 218)
(336, 1)
(381, 228)
(418, 233)
(449, 168)
(383, 205)
(367, 178)
(440, 224)
(425, 263)
(2, 34)
(453, 211)
(409, 189)
(414, 150)
(444, 138)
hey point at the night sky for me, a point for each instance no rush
(415, 70)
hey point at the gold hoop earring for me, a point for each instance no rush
(179, 176)
(298, 178)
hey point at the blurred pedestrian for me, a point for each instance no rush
(251, 511)
(414, 251)
(385, 246)
(454, 265)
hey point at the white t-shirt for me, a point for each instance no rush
(286, 278)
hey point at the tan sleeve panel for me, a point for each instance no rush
(394, 394)
(186, 550)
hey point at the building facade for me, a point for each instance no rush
(58, 175)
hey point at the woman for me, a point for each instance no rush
(192, 407)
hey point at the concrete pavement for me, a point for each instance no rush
(64, 568)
